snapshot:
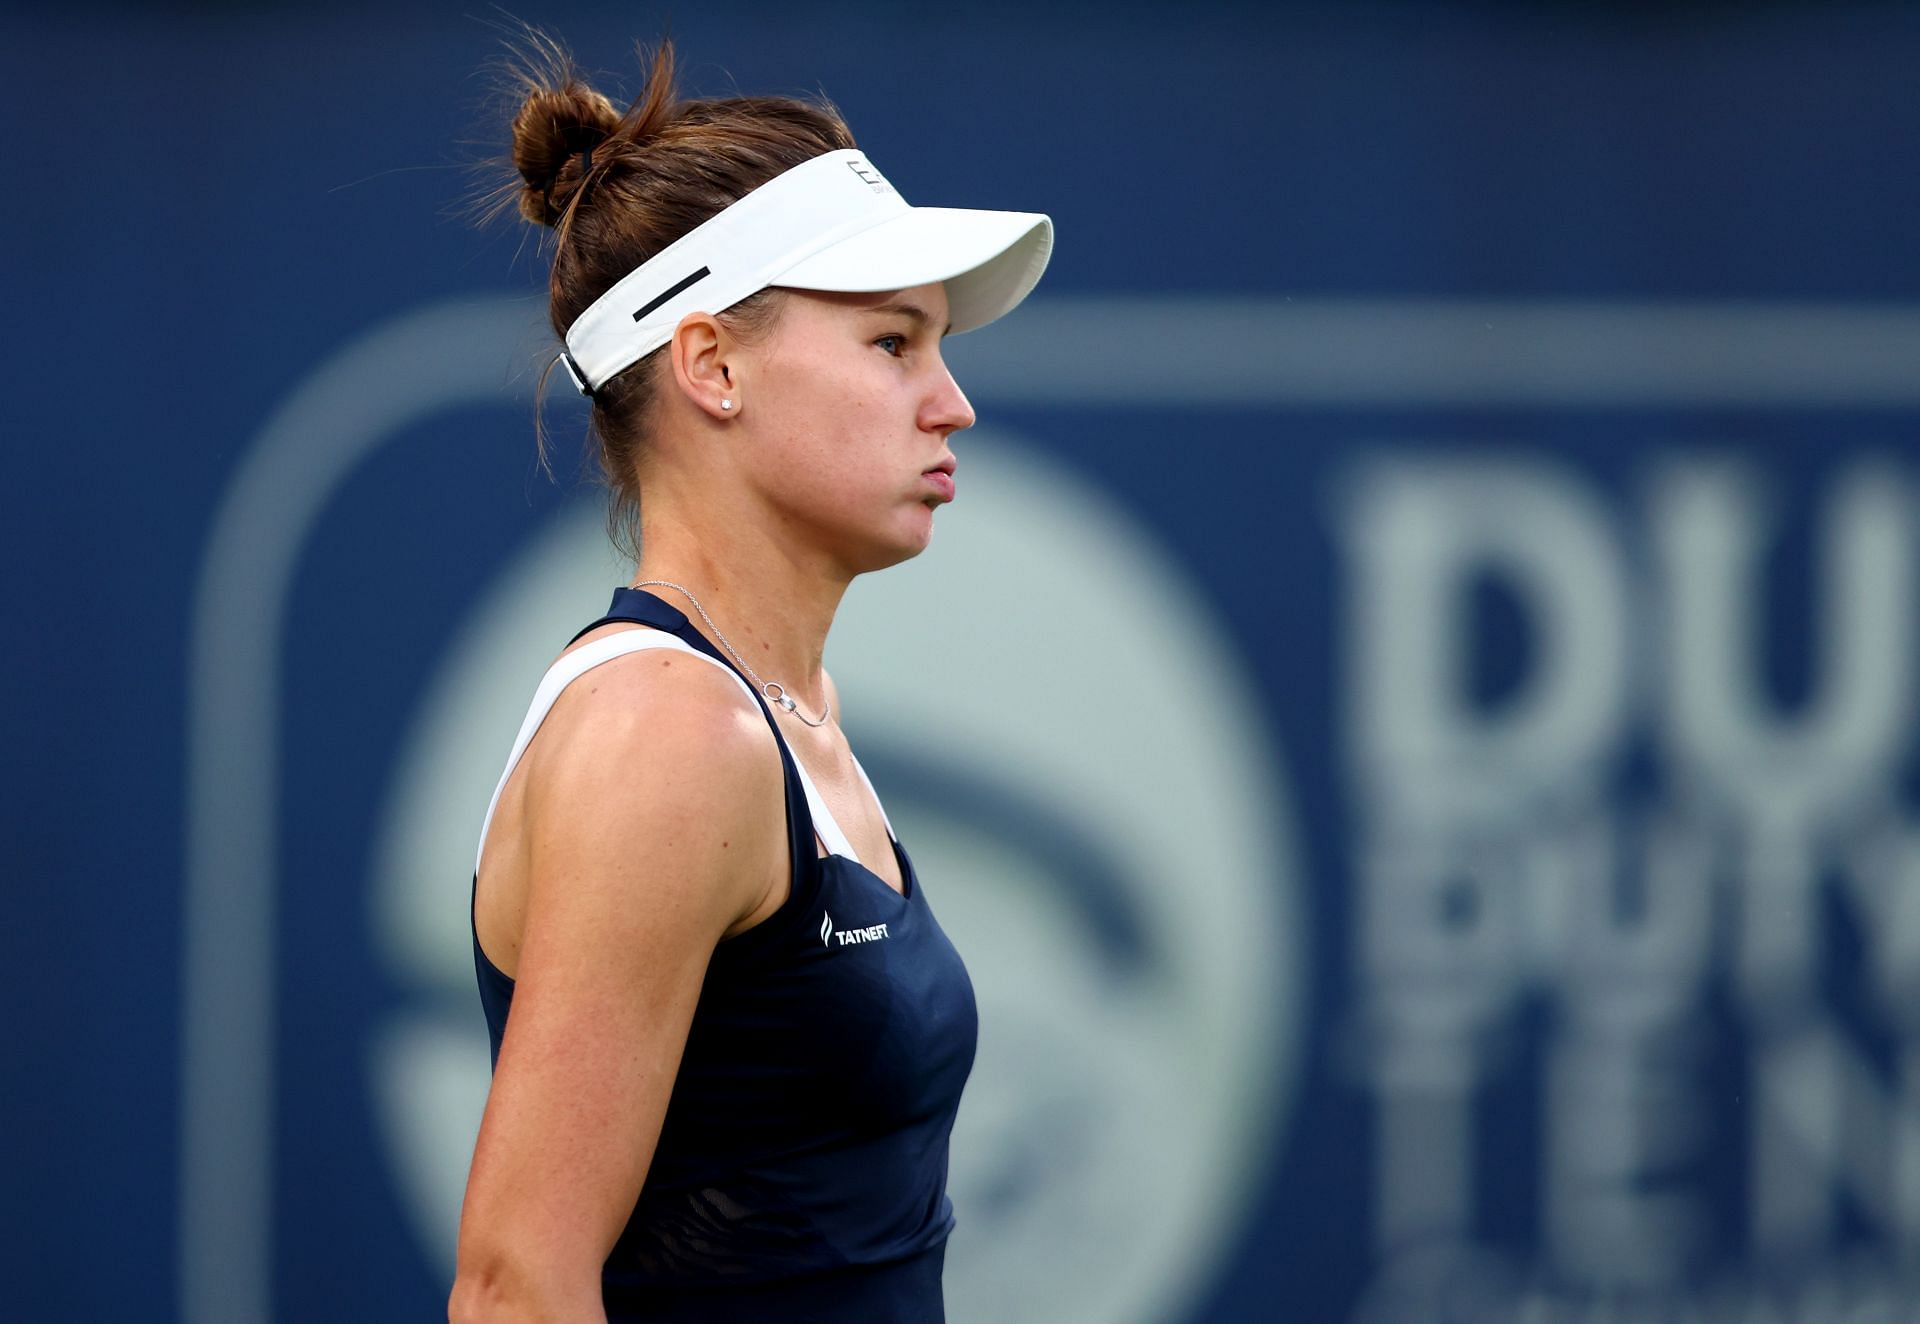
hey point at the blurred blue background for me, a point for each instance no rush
(1411, 721)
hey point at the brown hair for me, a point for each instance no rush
(618, 187)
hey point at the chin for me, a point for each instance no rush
(892, 556)
(904, 544)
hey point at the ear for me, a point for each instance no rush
(703, 369)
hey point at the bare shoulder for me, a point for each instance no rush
(661, 696)
(657, 718)
(655, 756)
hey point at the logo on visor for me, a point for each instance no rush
(871, 177)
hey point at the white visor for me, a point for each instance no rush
(832, 223)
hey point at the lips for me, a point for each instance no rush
(940, 478)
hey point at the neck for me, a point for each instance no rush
(775, 609)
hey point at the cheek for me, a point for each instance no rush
(844, 430)
(814, 393)
(834, 419)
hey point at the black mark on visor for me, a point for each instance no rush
(701, 274)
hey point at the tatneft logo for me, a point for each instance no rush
(872, 933)
(869, 176)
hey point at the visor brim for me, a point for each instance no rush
(988, 260)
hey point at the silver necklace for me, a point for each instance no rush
(776, 692)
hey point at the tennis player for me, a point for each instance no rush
(729, 1036)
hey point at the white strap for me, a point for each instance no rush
(588, 656)
(868, 782)
(830, 834)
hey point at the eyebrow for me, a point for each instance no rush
(911, 311)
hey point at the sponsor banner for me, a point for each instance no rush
(1410, 720)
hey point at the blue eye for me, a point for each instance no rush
(898, 343)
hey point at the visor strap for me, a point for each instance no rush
(573, 371)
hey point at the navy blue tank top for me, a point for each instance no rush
(801, 1169)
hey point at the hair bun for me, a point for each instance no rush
(553, 127)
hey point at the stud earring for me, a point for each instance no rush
(726, 404)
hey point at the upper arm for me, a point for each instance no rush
(650, 809)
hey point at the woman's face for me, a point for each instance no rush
(849, 408)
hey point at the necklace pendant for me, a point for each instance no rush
(786, 703)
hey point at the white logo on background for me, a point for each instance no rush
(428, 1068)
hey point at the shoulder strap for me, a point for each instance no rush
(830, 834)
(588, 656)
(868, 783)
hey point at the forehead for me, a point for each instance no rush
(928, 301)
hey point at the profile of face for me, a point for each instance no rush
(846, 413)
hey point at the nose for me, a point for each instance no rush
(945, 409)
